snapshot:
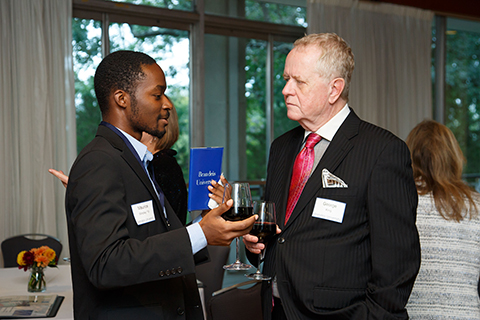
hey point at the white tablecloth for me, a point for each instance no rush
(13, 281)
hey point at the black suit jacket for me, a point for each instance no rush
(364, 267)
(121, 270)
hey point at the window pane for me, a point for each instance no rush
(281, 122)
(170, 48)
(432, 67)
(87, 54)
(235, 104)
(275, 12)
(462, 92)
(255, 92)
(169, 4)
(288, 12)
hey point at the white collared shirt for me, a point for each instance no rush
(327, 132)
(195, 232)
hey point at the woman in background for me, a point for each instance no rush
(168, 172)
(448, 225)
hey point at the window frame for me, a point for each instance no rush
(198, 23)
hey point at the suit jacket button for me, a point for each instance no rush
(281, 240)
(161, 273)
(179, 270)
(167, 272)
(174, 271)
(180, 311)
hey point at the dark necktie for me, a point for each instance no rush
(160, 194)
(301, 172)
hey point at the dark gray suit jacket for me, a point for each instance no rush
(364, 267)
(121, 270)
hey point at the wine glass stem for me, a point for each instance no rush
(259, 261)
(237, 248)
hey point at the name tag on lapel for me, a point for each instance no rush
(143, 212)
(329, 210)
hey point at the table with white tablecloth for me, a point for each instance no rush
(14, 281)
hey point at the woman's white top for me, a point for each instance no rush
(446, 285)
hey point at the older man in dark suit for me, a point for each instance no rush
(345, 197)
(131, 257)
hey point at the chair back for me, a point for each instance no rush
(236, 303)
(12, 246)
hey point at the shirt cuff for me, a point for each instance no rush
(197, 219)
(197, 237)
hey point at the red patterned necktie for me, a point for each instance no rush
(301, 171)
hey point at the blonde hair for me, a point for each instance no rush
(172, 131)
(336, 59)
(437, 163)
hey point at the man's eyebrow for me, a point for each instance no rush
(291, 76)
(161, 87)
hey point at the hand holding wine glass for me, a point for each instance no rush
(241, 209)
(264, 228)
(220, 232)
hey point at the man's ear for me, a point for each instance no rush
(122, 98)
(336, 88)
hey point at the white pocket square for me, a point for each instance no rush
(331, 181)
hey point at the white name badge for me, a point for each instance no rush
(329, 210)
(143, 212)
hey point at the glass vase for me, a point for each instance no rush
(37, 281)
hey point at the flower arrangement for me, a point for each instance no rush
(37, 259)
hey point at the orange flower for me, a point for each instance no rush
(50, 254)
(42, 261)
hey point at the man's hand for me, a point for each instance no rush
(60, 175)
(252, 244)
(216, 193)
(217, 190)
(220, 232)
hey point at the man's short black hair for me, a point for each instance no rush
(119, 70)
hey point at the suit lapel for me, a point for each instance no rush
(132, 161)
(283, 173)
(337, 150)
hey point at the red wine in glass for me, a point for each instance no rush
(264, 231)
(238, 213)
(241, 209)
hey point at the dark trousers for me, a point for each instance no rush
(278, 313)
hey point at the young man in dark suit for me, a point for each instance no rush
(131, 257)
(346, 200)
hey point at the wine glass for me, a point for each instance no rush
(264, 228)
(241, 209)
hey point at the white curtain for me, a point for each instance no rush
(37, 115)
(391, 85)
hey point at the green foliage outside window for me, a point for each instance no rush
(462, 96)
(275, 12)
(86, 54)
(257, 147)
(169, 4)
